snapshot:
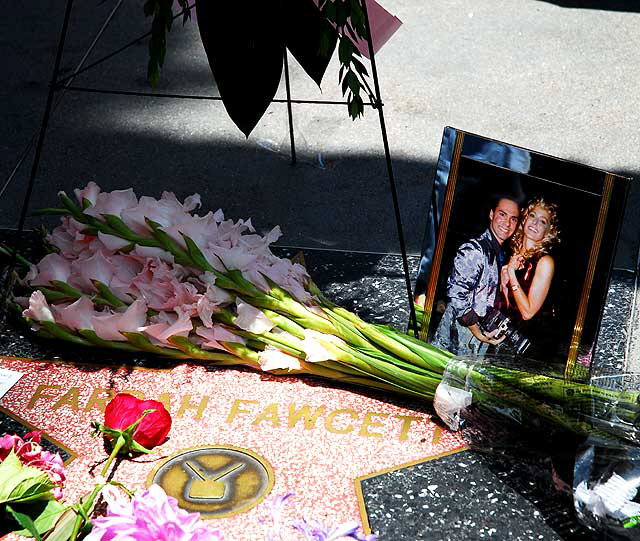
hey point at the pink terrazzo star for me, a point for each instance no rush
(318, 439)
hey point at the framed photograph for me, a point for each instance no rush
(518, 253)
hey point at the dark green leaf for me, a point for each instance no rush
(43, 514)
(359, 67)
(244, 42)
(309, 36)
(345, 50)
(330, 11)
(353, 82)
(342, 13)
(25, 521)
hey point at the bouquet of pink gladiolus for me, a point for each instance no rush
(145, 274)
(152, 275)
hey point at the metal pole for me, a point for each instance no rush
(392, 182)
(289, 108)
(8, 282)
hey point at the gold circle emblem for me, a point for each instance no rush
(216, 481)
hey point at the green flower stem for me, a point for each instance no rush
(117, 447)
(277, 340)
(8, 253)
(382, 339)
(285, 323)
(61, 333)
(586, 399)
(142, 343)
(107, 295)
(437, 359)
(507, 394)
(387, 372)
(92, 337)
(82, 509)
(186, 346)
(249, 356)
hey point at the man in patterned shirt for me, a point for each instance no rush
(473, 283)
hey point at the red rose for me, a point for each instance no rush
(125, 409)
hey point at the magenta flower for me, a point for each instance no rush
(31, 453)
(151, 515)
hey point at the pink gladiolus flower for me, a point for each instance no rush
(111, 242)
(39, 309)
(181, 326)
(110, 326)
(313, 348)
(75, 316)
(112, 203)
(251, 319)
(213, 337)
(31, 453)
(167, 211)
(274, 359)
(51, 267)
(200, 229)
(150, 252)
(96, 267)
(213, 298)
(151, 515)
(89, 192)
(162, 287)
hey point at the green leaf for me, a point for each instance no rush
(54, 296)
(116, 223)
(63, 334)
(49, 212)
(111, 344)
(25, 521)
(342, 13)
(345, 50)
(330, 11)
(107, 295)
(46, 515)
(359, 67)
(142, 342)
(65, 288)
(19, 483)
(196, 254)
(185, 345)
(353, 82)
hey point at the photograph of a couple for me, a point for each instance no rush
(512, 269)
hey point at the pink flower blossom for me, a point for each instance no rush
(112, 203)
(167, 211)
(31, 453)
(51, 267)
(162, 286)
(212, 300)
(272, 358)
(75, 316)
(213, 336)
(161, 332)
(71, 241)
(251, 319)
(313, 346)
(39, 309)
(110, 326)
(89, 192)
(151, 515)
(86, 269)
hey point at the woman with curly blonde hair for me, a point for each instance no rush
(526, 279)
